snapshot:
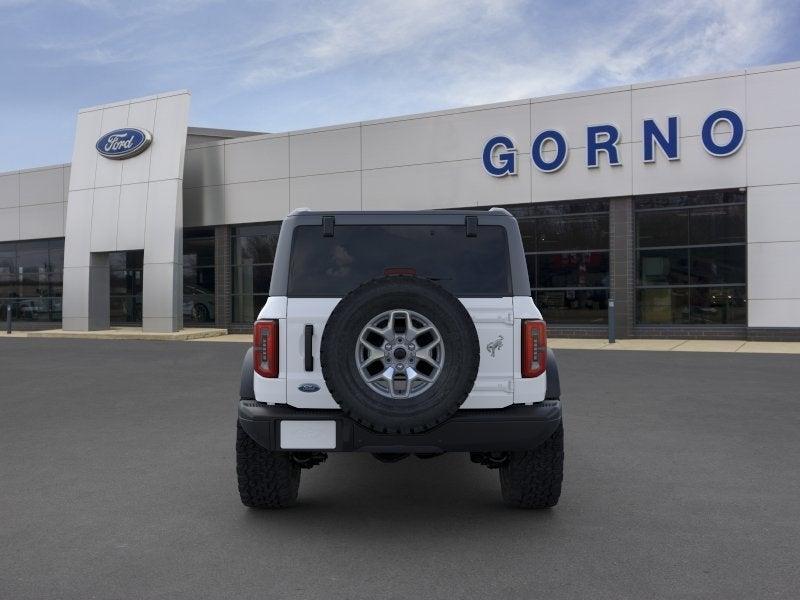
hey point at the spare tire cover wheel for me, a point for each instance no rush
(400, 354)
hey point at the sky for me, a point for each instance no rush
(279, 66)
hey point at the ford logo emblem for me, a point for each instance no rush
(123, 143)
(308, 387)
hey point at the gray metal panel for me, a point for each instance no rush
(43, 186)
(108, 171)
(9, 224)
(143, 116)
(256, 201)
(328, 151)
(158, 285)
(9, 190)
(204, 166)
(169, 135)
(163, 241)
(203, 206)
(84, 154)
(444, 185)
(442, 138)
(105, 212)
(340, 191)
(78, 230)
(132, 216)
(75, 304)
(264, 158)
(99, 291)
(41, 221)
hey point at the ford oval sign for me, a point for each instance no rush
(308, 387)
(124, 143)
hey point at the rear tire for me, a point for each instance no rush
(266, 479)
(532, 479)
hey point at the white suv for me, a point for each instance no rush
(399, 333)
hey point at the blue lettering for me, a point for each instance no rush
(652, 135)
(608, 144)
(507, 160)
(737, 126)
(561, 151)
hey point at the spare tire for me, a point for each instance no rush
(400, 354)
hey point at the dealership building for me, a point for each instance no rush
(678, 201)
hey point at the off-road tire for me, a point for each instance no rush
(532, 479)
(266, 479)
(454, 383)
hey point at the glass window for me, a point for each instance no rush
(718, 305)
(579, 307)
(657, 306)
(665, 266)
(199, 276)
(8, 259)
(663, 228)
(465, 266)
(723, 224)
(719, 264)
(252, 254)
(691, 258)
(126, 287)
(572, 269)
(584, 232)
(567, 251)
(247, 306)
(31, 279)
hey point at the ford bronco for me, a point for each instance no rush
(399, 333)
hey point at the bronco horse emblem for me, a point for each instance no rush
(494, 346)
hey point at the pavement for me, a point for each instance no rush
(196, 334)
(117, 481)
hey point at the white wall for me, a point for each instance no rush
(773, 198)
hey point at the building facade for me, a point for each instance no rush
(678, 201)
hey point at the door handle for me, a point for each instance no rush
(308, 353)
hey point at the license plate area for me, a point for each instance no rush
(307, 435)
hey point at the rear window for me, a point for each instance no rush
(465, 266)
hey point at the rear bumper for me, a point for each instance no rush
(518, 427)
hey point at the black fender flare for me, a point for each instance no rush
(553, 384)
(246, 390)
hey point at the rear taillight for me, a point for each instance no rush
(265, 348)
(534, 348)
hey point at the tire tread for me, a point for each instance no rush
(266, 479)
(532, 479)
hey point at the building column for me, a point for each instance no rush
(86, 304)
(621, 258)
(222, 276)
(162, 276)
(99, 292)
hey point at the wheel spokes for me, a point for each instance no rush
(392, 347)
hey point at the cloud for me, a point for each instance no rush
(275, 65)
(326, 39)
(674, 39)
(472, 52)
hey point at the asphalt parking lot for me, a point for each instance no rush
(117, 481)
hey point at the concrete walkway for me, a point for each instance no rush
(642, 345)
(122, 333)
(739, 346)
